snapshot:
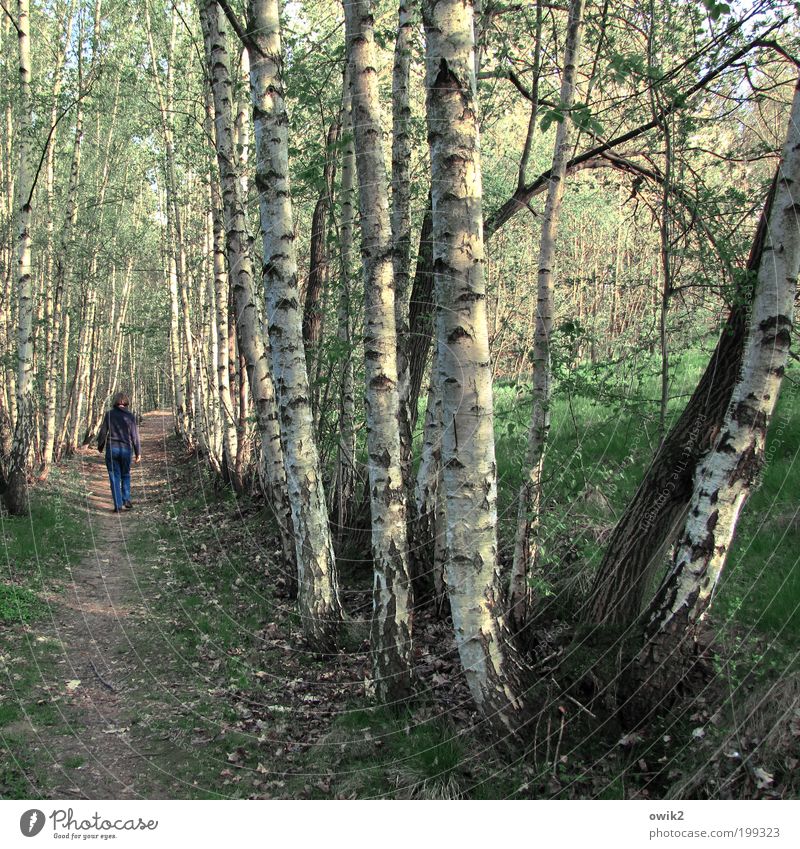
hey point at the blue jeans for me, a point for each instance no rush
(118, 463)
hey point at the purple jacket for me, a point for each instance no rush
(119, 426)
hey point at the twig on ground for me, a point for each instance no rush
(100, 678)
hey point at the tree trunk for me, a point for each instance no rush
(391, 624)
(401, 220)
(726, 475)
(655, 514)
(53, 291)
(318, 257)
(468, 457)
(251, 340)
(530, 495)
(346, 459)
(174, 227)
(16, 495)
(318, 595)
(420, 318)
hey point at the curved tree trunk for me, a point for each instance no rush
(468, 457)
(318, 595)
(726, 475)
(654, 516)
(391, 624)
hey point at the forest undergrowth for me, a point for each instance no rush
(234, 705)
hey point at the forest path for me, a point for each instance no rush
(97, 622)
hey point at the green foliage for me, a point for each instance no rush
(19, 605)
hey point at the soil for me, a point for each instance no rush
(103, 674)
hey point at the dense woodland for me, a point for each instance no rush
(488, 303)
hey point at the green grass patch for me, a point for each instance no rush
(378, 753)
(19, 604)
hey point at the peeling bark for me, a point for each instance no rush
(492, 671)
(318, 594)
(391, 624)
(727, 474)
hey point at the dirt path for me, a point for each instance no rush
(96, 623)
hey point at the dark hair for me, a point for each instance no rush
(120, 400)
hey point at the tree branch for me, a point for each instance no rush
(773, 45)
(240, 31)
(10, 17)
(521, 197)
(58, 120)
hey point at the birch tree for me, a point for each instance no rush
(530, 495)
(318, 595)
(240, 266)
(401, 217)
(468, 455)
(728, 473)
(16, 495)
(345, 461)
(391, 625)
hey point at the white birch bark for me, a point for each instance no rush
(55, 282)
(174, 226)
(468, 456)
(210, 371)
(221, 291)
(16, 496)
(251, 340)
(391, 624)
(530, 494)
(728, 473)
(318, 595)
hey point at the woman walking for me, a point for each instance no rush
(119, 438)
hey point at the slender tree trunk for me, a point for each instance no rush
(174, 225)
(318, 595)
(345, 462)
(530, 495)
(468, 458)
(391, 624)
(221, 293)
(251, 340)
(16, 495)
(401, 220)
(421, 312)
(728, 472)
(55, 268)
(429, 530)
(318, 256)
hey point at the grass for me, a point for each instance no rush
(34, 559)
(37, 549)
(378, 753)
(208, 594)
(600, 444)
